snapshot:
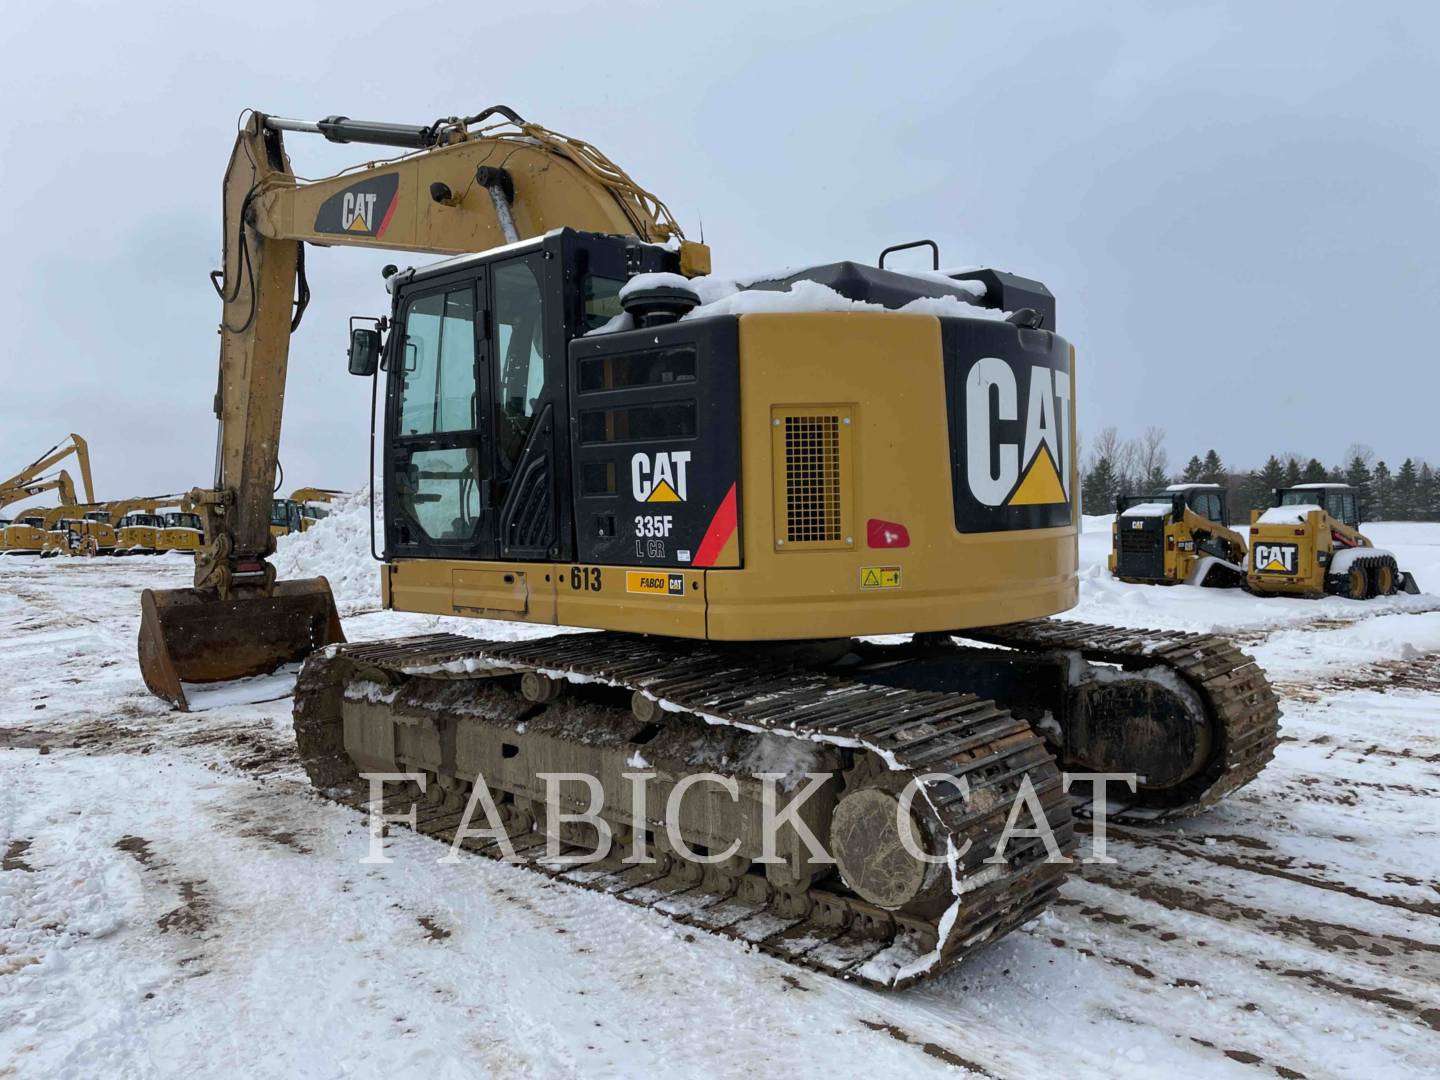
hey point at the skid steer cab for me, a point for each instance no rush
(1310, 544)
(1177, 536)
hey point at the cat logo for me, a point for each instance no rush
(1032, 467)
(357, 208)
(1276, 558)
(363, 209)
(660, 477)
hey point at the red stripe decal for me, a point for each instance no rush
(389, 213)
(722, 527)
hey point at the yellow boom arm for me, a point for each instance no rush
(471, 184)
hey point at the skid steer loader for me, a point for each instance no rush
(1178, 536)
(1310, 544)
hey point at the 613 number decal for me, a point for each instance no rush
(585, 578)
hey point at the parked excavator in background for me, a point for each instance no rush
(122, 527)
(302, 509)
(314, 504)
(1310, 544)
(734, 498)
(1178, 536)
(31, 481)
(156, 526)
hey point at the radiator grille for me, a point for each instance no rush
(812, 479)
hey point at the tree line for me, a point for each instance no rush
(1114, 466)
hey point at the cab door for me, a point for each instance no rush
(439, 498)
(526, 347)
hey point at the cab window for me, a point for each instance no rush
(520, 358)
(437, 391)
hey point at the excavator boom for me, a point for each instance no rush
(467, 185)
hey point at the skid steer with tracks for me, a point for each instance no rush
(819, 540)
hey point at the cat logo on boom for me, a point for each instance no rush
(660, 477)
(1017, 444)
(362, 209)
(356, 209)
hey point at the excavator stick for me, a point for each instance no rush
(192, 636)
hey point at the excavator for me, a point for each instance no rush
(32, 480)
(156, 526)
(28, 534)
(20, 542)
(300, 511)
(738, 498)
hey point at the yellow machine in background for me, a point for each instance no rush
(1177, 536)
(23, 536)
(303, 508)
(151, 527)
(1310, 544)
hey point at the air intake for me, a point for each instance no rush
(812, 458)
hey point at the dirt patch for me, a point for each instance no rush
(1195, 849)
(138, 848)
(192, 916)
(433, 930)
(1377, 996)
(14, 857)
(935, 1050)
(1379, 949)
(1422, 673)
(26, 738)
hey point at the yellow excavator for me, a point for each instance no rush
(156, 526)
(302, 509)
(736, 495)
(31, 481)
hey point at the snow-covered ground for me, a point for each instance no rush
(173, 900)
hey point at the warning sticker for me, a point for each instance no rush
(651, 583)
(879, 577)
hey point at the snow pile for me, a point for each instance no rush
(1150, 509)
(337, 548)
(731, 296)
(1288, 515)
(1340, 564)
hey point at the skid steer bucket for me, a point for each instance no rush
(187, 636)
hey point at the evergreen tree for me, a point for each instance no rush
(1157, 479)
(1260, 491)
(1099, 488)
(1314, 472)
(1406, 493)
(1292, 472)
(1193, 469)
(1337, 475)
(1357, 474)
(1426, 486)
(1381, 506)
(1212, 472)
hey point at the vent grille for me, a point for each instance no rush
(812, 479)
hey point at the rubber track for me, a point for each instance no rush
(1242, 705)
(923, 731)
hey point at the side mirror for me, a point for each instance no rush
(364, 351)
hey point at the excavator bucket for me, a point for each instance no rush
(187, 636)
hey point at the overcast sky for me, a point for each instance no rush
(1237, 206)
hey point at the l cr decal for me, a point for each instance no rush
(363, 209)
(1012, 426)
